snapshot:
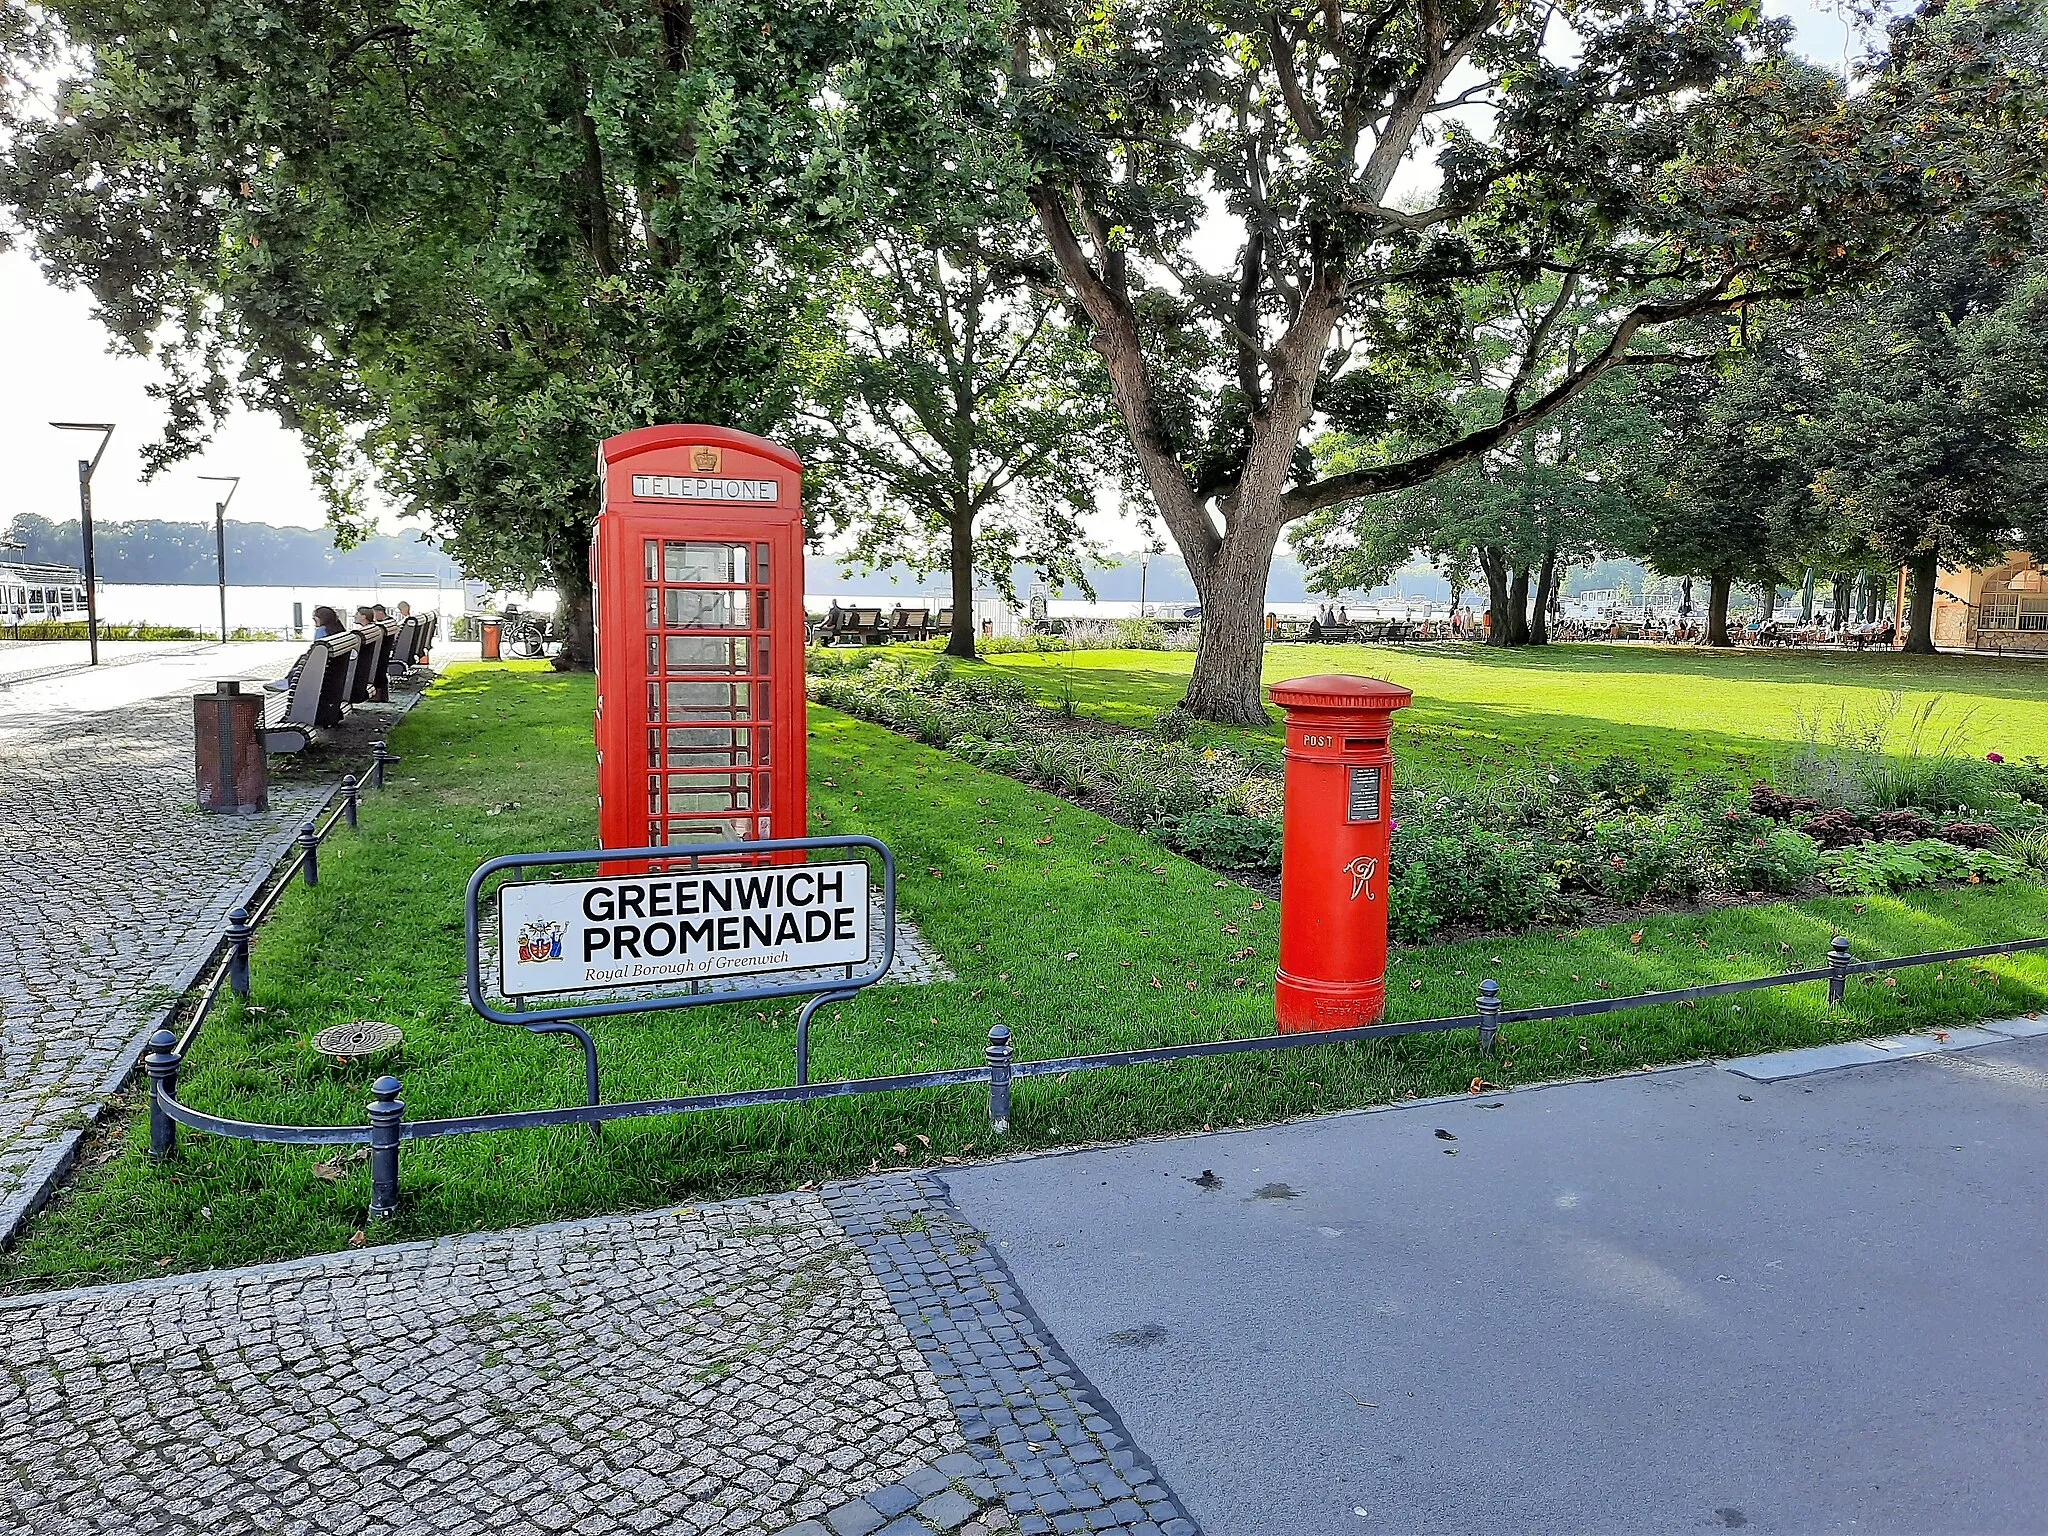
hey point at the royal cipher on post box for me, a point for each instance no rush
(698, 568)
(1333, 852)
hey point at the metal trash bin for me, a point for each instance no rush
(229, 760)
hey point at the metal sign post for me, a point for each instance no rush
(726, 912)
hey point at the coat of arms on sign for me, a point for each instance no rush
(540, 941)
(704, 460)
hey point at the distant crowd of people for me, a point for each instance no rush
(327, 623)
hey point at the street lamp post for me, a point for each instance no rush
(220, 544)
(85, 469)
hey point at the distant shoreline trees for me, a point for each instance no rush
(152, 551)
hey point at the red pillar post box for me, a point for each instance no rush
(698, 569)
(1334, 850)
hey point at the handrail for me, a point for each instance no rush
(387, 1127)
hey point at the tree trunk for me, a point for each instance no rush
(1546, 584)
(569, 565)
(1718, 585)
(1922, 571)
(1493, 565)
(961, 641)
(1518, 608)
(1226, 687)
(1844, 583)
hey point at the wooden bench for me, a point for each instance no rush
(909, 624)
(368, 683)
(318, 695)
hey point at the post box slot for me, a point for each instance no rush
(1360, 743)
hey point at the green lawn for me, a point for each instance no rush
(1477, 709)
(1078, 933)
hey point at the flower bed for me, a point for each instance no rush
(1550, 845)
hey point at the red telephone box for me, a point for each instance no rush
(1334, 845)
(698, 568)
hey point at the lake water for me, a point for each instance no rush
(276, 609)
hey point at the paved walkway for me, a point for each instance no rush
(115, 883)
(1678, 1301)
(811, 1365)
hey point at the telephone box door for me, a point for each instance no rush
(698, 568)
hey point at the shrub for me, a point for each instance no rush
(1900, 866)
(1836, 829)
(2028, 849)
(1969, 834)
(1629, 784)
(1901, 826)
(1223, 840)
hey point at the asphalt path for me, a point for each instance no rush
(1677, 1301)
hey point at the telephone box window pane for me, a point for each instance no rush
(703, 562)
(690, 608)
(762, 696)
(707, 701)
(709, 745)
(654, 701)
(651, 551)
(654, 748)
(686, 794)
(705, 653)
(654, 794)
(761, 605)
(653, 653)
(654, 607)
(761, 654)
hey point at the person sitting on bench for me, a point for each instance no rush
(326, 623)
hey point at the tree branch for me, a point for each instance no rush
(1382, 478)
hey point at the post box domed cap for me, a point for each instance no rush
(1338, 690)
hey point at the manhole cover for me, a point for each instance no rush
(362, 1038)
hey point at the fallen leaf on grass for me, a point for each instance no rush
(926, 1140)
(334, 1168)
(900, 1150)
(358, 1239)
(1480, 1084)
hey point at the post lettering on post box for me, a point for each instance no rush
(685, 925)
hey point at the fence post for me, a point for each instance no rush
(348, 798)
(161, 1063)
(379, 756)
(239, 934)
(998, 1056)
(309, 846)
(1838, 968)
(1489, 1015)
(387, 1114)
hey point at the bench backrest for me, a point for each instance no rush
(405, 650)
(341, 653)
(394, 637)
(369, 662)
(302, 701)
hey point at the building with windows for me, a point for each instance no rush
(1999, 608)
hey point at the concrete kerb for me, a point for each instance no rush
(57, 1160)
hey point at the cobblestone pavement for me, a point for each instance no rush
(833, 1364)
(728, 1369)
(116, 885)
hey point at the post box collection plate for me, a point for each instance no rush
(1365, 795)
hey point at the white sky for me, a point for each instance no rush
(55, 365)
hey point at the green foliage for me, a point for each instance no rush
(1901, 866)
(952, 420)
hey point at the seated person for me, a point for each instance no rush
(326, 622)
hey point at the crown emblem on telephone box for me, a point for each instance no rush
(704, 460)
